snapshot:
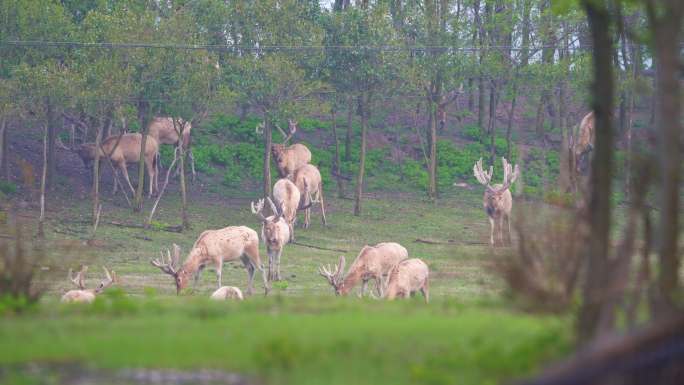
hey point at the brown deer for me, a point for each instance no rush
(308, 180)
(290, 158)
(275, 231)
(165, 132)
(227, 292)
(125, 150)
(215, 247)
(83, 295)
(373, 262)
(497, 199)
(408, 277)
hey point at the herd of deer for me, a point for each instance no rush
(387, 264)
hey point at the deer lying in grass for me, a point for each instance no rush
(215, 247)
(165, 132)
(290, 158)
(308, 180)
(126, 151)
(373, 262)
(408, 277)
(497, 199)
(227, 292)
(275, 232)
(82, 294)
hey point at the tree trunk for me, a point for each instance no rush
(51, 138)
(365, 115)
(3, 148)
(666, 28)
(336, 166)
(43, 182)
(350, 128)
(432, 188)
(493, 102)
(268, 139)
(598, 216)
(144, 118)
(96, 175)
(511, 114)
(181, 164)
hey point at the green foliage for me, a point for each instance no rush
(7, 188)
(540, 171)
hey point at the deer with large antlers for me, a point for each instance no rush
(213, 247)
(124, 149)
(275, 231)
(290, 158)
(82, 294)
(407, 278)
(308, 180)
(373, 262)
(497, 199)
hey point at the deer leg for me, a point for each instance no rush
(250, 274)
(196, 278)
(307, 218)
(501, 236)
(291, 225)
(124, 171)
(116, 184)
(271, 266)
(278, 277)
(491, 231)
(219, 272)
(378, 286)
(320, 197)
(150, 170)
(252, 252)
(364, 286)
(426, 291)
(192, 165)
(509, 240)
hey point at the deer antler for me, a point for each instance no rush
(482, 176)
(292, 126)
(167, 264)
(258, 208)
(108, 281)
(277, 211)
(333, 277)
(79, 278)
(510, 174)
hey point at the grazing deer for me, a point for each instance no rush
(290, 158)
(308, 180)
(373, 262)
(408, 277)
(497, 200)
(83, 295)
(127, 151)
(215, 247)
(275, 231)
(164, 131)
(227, 292)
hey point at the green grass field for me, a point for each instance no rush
(302, 333)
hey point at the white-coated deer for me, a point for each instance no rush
(308, 180)
(275, 232)
(213, 247)
(123, 150)
(408, 277)
(583, 143)
(227, 292)
(82, 294)
(290, 158)
(373, 262)
(497, 199)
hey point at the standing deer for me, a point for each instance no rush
(497, 199)
(287, 195)
(83, 295)
(290, 158)
(227, 292)
(215, 247)
(408, 277)
(275, 231)
(126, 151)
(583, 143)
(373, 262)
(164, 131)
(308, 180)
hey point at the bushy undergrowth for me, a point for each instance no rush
(232, 148)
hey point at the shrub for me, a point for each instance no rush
(472, 132)
(19, 265)
(7, 188)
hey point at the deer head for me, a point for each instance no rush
(170, 265)
(271, 229)
(108, 281)
(277, 149)
(494, 195)
(335, 278)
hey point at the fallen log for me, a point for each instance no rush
(319, 247)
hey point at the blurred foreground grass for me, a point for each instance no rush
(285, 340)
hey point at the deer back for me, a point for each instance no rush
(78, 296)
(390, 254)
(228, 243)
(227, 292)
(406, 277)
(163, 130)
(585, 136)
(312, 176)
(287, 195)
